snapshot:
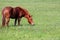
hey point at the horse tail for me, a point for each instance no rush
(3, 19)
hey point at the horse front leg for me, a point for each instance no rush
(15, 22)
(19, 19)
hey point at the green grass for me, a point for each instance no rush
(46, 15)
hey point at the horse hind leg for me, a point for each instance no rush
(7, 21)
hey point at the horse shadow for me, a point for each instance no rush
(21, 25)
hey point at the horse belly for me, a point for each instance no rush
(13, 16)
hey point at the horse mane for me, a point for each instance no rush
(25, 11)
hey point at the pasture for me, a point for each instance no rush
(46, 16)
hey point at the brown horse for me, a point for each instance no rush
(15, 13)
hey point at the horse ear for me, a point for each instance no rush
(29, 16)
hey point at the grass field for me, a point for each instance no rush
(46, 15)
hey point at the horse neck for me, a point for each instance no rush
(26, 14)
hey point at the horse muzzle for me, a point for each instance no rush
(32, 23)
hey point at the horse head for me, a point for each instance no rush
(29, 17)
(30, 20)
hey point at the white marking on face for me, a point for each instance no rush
(32, 24)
